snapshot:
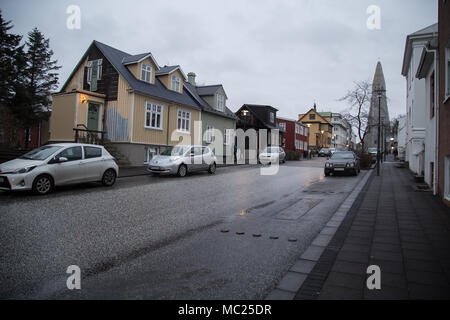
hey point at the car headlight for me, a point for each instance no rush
(328, 165)
(24, 170)
(351, 165)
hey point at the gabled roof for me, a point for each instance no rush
(138, 58)
(168, 70)
(193, 90)
(425, 33)
(318, 113)
(157, 90)
(256, 109)
(209, 90)
(426, 59)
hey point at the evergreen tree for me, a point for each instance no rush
(10, 50)
(37, 80)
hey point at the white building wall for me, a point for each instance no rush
(401, 137)
(430, 137)
(416, 113)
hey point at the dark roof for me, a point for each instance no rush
(193, 90)
(169, 69)
(258, 110)
(208, 90)
(157, 90)
(136, 58)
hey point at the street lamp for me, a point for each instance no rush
(379, 91)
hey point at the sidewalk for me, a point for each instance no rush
(404, 231)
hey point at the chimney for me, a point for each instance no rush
(315, 107)
(191, 78)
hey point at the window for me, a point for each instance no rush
(447, 178)
(94, 73)
(92, 152)
(220, 102)
(227, 136)
(447, 73)
(282, 126)
(209, 134)
(432, 96)
(153, 116)
(312, 116)
(176, 83)
(146, 73)
(184, 121)
(306, 131)
(272, 117)
(71, 154)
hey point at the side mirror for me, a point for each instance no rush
(62, 159)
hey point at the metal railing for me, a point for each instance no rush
(84, 135)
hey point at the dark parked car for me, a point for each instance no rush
(346, 162)
(373, 152)
(325, 152)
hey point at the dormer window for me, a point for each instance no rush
(146, 73)
(94, 73)
(176, 82)
(220, 102)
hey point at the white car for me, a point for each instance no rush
(183, 159)
(58, 164)
(272, 155)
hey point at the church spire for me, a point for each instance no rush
(378, 79)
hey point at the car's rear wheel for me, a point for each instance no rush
(182, 170)
(212, 168)
(109, 178)
(43, 184)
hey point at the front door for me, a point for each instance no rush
(93, 116)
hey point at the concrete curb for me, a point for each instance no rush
(291, 283)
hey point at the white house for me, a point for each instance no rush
(401, 137)
(342, 133)
(420, 142)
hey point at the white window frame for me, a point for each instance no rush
(447, 178)
(184, 119)
(447, 74)
(220, 102)
(152, 109)
(209, 133)
(146, 71)
(175, 83)
(282, 125)
(272, 117)
(99, 70)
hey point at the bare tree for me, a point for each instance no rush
(357, 114)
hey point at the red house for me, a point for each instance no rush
(296, 135)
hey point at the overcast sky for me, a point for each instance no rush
(287, 54)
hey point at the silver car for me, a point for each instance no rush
(272, 155)
(183, 159)
(58, 164)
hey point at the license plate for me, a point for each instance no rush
(154, 168)
(339, 169)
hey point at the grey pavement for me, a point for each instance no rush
(404, 231)
(232, 235)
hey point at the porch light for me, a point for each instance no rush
(83, 99)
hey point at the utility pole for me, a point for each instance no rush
(379, 91)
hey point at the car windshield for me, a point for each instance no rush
(324, 149)
(372, 150)
(342, 155)
(41, 153)
(271, 150)
(174, 151)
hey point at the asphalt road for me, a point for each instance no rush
(199, 237)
